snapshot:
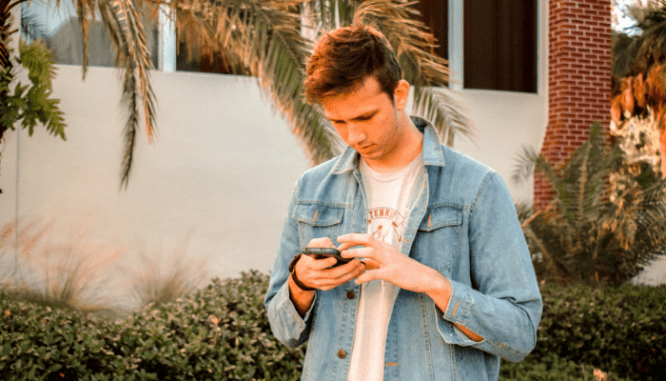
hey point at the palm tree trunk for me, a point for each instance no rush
(6, 66)
(5, 63)
(662, 146)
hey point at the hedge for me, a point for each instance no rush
(222, 333)
(218, 333)
(551, 368)
(620, 329)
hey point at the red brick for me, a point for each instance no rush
(579, 78)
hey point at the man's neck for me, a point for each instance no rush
(411, 145)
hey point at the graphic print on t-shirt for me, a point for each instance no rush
(385, 224)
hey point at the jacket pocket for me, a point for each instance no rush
(437, 239)
(316, 220)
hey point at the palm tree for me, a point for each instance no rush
(639, 71)
(606, 221)
(267, 39)
(121, 19)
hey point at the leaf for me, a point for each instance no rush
(54, 367)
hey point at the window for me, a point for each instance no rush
(59, 28)
(500, 45)
(499, 41)
(192, 54)
(190, 57)
(435, 14)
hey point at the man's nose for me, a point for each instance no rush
(355, 134)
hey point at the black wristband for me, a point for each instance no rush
(292, 272)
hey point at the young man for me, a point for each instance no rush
(441, 285)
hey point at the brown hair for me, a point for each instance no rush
(343, 57)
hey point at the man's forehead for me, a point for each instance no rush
(352, 103)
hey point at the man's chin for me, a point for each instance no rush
(368, 152)
(369, 157)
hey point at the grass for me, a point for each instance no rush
(77, 273)
(69, 274)
(156, 283)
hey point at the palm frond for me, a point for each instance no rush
(436, 105)
(264, 36)
(646, 238)
(585, 174)
(607, 218)
(122, 19)
(31, 26)
(545, 264)
(636, 54)
(6, 19)
(624, 51)
(530, 161)
(414, 45)
(84, 10)
(140, 54)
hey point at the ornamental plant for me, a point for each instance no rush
(606, 221)
(28, 103)
(222, 332)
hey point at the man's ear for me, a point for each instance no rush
(400, 94)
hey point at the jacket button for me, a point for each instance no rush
(342, 354)
(350, 294)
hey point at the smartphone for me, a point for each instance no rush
(325, 252)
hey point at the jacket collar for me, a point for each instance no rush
(432, 151)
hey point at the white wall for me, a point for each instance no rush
(222, 165)
(221, 171)
(506, 122)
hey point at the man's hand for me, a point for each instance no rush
(318, 273)
(385, 262)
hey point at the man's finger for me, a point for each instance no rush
(361, 252)
(371, 264)
(345, 246)
(321, 242)
(341, 275)
(368, 276)
(321, 264)
(357, 239)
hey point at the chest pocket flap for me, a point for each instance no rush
(439, 217)
(318, 215)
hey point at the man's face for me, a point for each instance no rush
(367, 119)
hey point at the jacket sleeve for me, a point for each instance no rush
(286, 324)
(504, 304)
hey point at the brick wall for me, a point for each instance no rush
(579, 78)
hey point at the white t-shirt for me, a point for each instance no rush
(388, 196)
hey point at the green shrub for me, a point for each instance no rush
(222, 333)
(606, 220)
(218, 333)
(39, 342)
(549, 368)
(619, 329)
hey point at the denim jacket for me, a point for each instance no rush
(464, 225)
